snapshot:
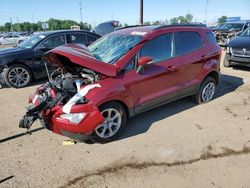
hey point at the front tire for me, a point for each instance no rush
(115, 120)
(17, 76)
(206, 91)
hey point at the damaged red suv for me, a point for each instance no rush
(124, 73)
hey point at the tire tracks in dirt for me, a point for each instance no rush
(206, 154)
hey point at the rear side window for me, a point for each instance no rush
(187, 41)
(211, 37)
(159, 48)
(76, 38)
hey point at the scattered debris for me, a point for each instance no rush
(68, 142)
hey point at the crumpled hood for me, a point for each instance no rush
(79, 54)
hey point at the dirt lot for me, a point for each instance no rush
(177, 145)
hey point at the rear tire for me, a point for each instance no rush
(115, 121)
(206, 91)
(17, 76)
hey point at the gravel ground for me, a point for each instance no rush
(177, 145)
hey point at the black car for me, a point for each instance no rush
(238, 50)
(23, 63)
(225, 32)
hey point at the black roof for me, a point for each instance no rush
(66, 31)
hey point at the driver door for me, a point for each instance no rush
(152, 87)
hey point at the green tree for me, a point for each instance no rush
(174, 20)
(157, 22)
(7, 26)
(182, 19)
(147, 23)
(222, 19)
(54, 24)
(189, 17)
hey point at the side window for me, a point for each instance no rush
(211, 37)
(90, 39)
(187, 41)
(76, 38)
(130, 65)
(54, 41)
(159, 48)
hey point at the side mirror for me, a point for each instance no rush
(42, 47)
(142, 62)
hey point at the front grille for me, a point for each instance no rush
(241, 52)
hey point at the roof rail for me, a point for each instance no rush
(131, 26)
(182, 25)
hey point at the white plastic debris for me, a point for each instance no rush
(84, 91)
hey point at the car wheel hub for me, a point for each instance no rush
(208, 92)
(111, 124)
(18, 76)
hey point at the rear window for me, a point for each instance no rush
(76, 38)
(211, 37)
(187, 41)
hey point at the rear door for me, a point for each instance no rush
(190, 54)
(78, 38)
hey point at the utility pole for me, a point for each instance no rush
(11, 28)
(33, 23)
(18, 24)
(141, 12)
(80, 4)
(205, 20)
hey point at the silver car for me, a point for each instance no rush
(11, 38)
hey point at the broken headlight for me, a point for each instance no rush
(75, 118)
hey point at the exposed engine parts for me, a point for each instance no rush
(59, 90)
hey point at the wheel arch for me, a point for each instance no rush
(215, 75)
(119, 102)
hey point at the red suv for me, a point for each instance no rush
(122, 74)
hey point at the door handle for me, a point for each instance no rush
(171, 68)
(204, 57)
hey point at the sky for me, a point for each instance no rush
(126, 11)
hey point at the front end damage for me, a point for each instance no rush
(61, 104)
(73, 117)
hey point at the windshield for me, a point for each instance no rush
(113, 46)
(236, 26)
(246, 33)
(30, 42)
